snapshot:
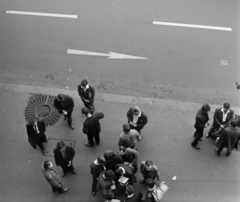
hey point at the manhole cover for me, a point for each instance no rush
(42, 106)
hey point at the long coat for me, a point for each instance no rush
(67, 104)
(69, 155)
(142, 120)
(52, 177)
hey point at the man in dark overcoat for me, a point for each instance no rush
(201, 121)
(63, 155)
(221, 119)
(136, 118)
(65, 104)
(36, 134)
(87, 94)
(126, 171)
(229, 138)
(91, 126)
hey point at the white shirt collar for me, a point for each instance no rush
(129, 196)
(87, 86)
(226, 112)
(124, 172)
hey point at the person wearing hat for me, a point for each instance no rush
(63, 155)
(106, 182)
(87, 94)
(128, 137)
(201, 122)
(229, 138)
(52, 177)
(91, 126)
(221, 119)
(65, 104)
(133, 195)
(96, 168)
(129, 157)
(136, 118)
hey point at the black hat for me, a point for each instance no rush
(126, 128)
(206, 107)
(101, 160)
(60, 97)
(85, 110)
(226, 105)
(129, 189)
(84, 82)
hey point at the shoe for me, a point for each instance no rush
(71, 126)
(200, 140)
(139, 138)
(93, 193)
(195, 146)
(143, 181)
(74, 172)
(65, 190)
(64, 118)
(63, 174)
(207, 135)
(87, 144)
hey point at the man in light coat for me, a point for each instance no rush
(52, 177)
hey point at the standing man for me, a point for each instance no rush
(136, 119)
(149, 171)
(221, 118)
(65, 104)
(201, 122)
(36, 134)
(229, 138)
(87, 93)
(106, 182)
(129, 157)
(52, 177)
(96, 168)
(91, 126)
(133, 195)
(63, 155)
(129, 137)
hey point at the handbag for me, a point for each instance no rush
(160, 191)
(218, 142)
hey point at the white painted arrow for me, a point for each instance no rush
(110, 55)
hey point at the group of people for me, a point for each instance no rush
(224, 128)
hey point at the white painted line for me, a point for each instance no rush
(42, 14)
(110, 55)
(192, 26)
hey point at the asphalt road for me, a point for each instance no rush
(184, 64)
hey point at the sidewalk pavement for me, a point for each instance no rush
(166, 140)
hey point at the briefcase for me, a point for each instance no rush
(218, 143)
(32, 143)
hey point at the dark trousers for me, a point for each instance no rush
(69, 118)
(94, 184)
(58, 189)
(66, 169)
(96, 137)
(90, 106)
(198, 135)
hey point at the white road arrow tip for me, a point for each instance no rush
(110, 55)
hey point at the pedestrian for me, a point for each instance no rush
(129, 157)
(201, 122)
(112, 159)
(133, 194)
(221, 119)
(91, 126)
(63, 155)
(136, 118)
(65, 104)
(96, 168)
(128, 137)
(229, 138)
(127, 172)
(87, 94)
(52, 177)
(106, 182)
(36, 134)
(149, 194)
(149, 171)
